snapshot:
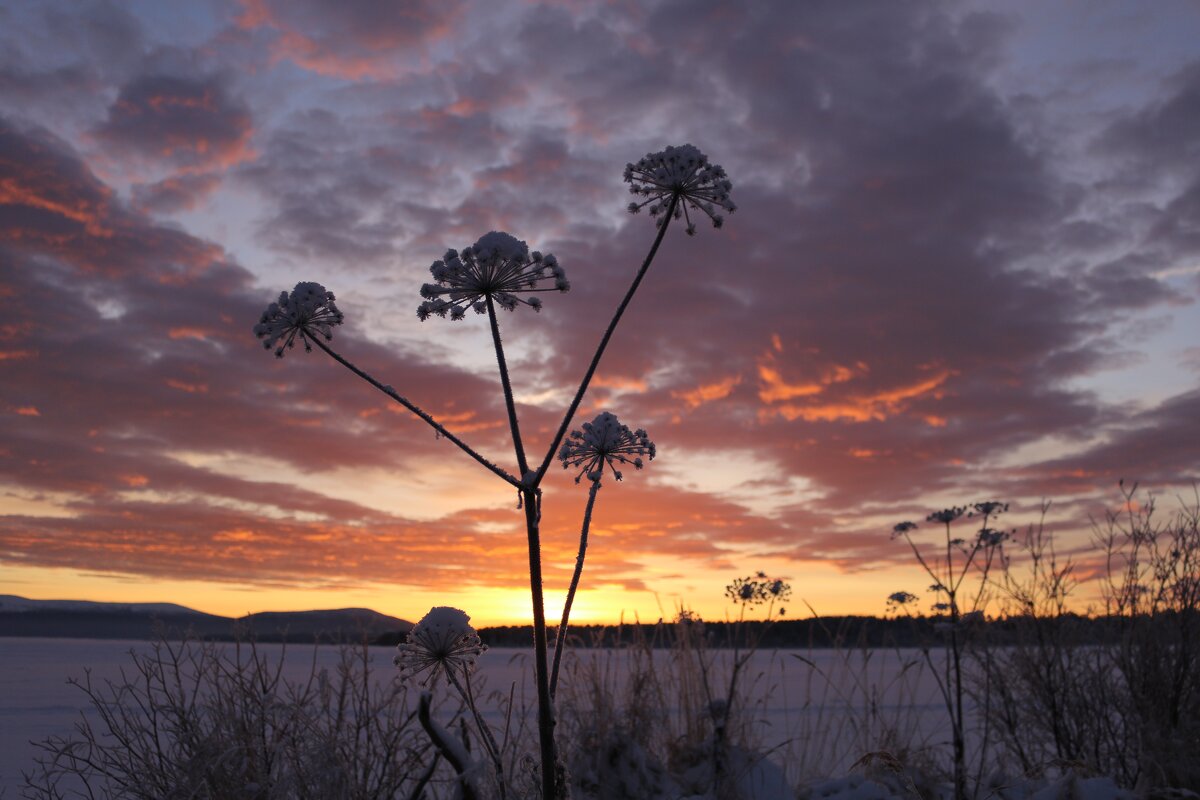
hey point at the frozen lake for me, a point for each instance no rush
(817, 711)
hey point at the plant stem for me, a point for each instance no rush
(545, 704)
(453, 752)
(485, 733)
(522, 466)
(437, 426)
(612, 326)
(562, 627)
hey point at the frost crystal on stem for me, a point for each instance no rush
(497, 266)
(307, 312)
(602, 441)
(682, 172)
(443, 641)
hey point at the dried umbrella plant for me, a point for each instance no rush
(676, 183)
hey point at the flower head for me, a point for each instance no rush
(443, 641)
(306, 312)
(758, 589)
(989, 508)
(900, 599)
(602, 441)
(990, 537)
(946, 515)
(497, 266)
(902, 528)
(679, 172)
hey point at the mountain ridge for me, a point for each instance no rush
(21, 616)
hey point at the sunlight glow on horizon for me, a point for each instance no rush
(820, 590)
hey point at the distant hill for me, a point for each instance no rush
(80, 619)
(11, 602)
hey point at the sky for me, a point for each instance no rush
(964, 266)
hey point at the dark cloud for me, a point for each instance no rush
(186, 122)
(169, 195)
(66, 56)
(335, 192)
(1154, 447)
(1165, 135)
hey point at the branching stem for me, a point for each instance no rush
(437, 426)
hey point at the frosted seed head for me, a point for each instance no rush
(682, 174)
(307, 312)
(605, 441)
(442, 642)
(497, 266)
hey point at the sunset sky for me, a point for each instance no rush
(964, 266)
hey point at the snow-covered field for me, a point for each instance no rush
(810, 726)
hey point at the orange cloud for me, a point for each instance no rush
(190, 388)
(775, 387)
(188, 333)
(777, 394)
(620, 382)
(706, 393)
(877, 406)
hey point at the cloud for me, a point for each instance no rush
(193, 124)
(1164, 133)
(351, 40)
(169, 195)
(57, 62)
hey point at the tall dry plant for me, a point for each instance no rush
(1116, 692)
(501, 270)
(949, 563)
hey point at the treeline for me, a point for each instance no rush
(818, 633)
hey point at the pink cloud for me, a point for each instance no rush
(352, 40)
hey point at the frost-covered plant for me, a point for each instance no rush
(496, 271)
(213, 721)
(445, 644)
(442, 643)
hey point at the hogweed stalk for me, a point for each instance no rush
(496, 271)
